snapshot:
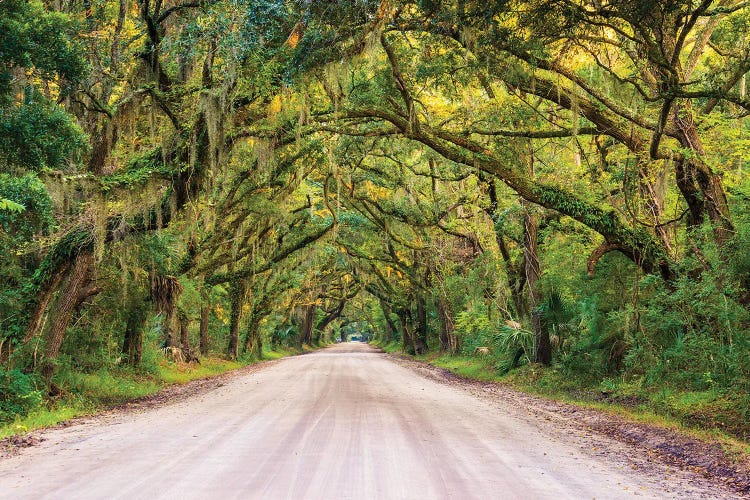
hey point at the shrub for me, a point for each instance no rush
(18, 394)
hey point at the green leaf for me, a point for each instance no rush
(11, 206)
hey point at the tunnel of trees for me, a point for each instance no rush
(546, 182)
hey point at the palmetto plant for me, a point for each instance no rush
(516, 343)
(558, 316)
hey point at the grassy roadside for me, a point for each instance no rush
(666, 409)
(90, 393)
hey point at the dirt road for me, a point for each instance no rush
(343, 422)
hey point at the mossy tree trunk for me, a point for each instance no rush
(694, 176)
(407, 334)
(237, 293)
(330, 316)
(514, 270)
(532, 267)
(165, 290)
(448, 339)
(43, 299)
(420, 339)
(308, 324)
(253, 338)
(187, 351)
(132, 345)
(204, 341)
(72, 294)
(390, 327)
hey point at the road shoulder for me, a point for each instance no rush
(13, 445)
(654, 444)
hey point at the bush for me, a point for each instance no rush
(18, 394)
(474, 328)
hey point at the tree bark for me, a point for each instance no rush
(43, 300)
(420, 339)
(407, 336)
(165, 290)
(390, 327)
(331, 316)
(448, 339)
(542, 345)
(132, 345)
(237, 298)
(253, 339)
(69, 300)
(308, 324)
(688, 186)
(205, 316)
(170, 328)
(711, 187)
(185, 338)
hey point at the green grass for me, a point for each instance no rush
(387, 347)
(279, 353)
(41, 418)
(464, 366)
(171, 373)
(89, 393)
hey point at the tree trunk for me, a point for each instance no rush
(688, 186)
(714, 200)
(420, 339)
(407, 336)
(257, 347)
(253, 338)
(653, 190)
(542, 346)
(331, 316)
(169, 327)
(448, 340)
(513, 271)
(165, 290)
(132, 345)
(308, 324)
(69, 299)
(105, 140)
(43, 300)
(390, 328)
(185, 338)
(237, 297)
(205, 316)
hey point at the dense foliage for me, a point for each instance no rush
(552, 183)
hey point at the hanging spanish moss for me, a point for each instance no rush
(265, 157)
(213, 105)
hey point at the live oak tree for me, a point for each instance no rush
(553, 181)
(189, 128)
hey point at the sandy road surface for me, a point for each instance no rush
(343, 422)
